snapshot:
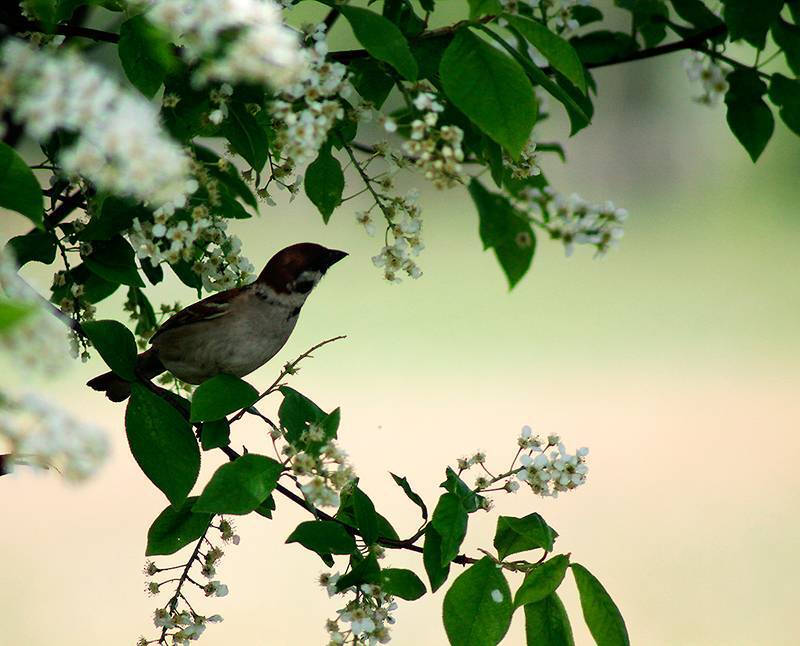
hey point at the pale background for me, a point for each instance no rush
(674, 360)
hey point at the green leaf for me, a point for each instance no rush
(696, 13)
(478, 8)
(114, 261)
(13, 312)
(402, 482)
(402, 583)
(239, 486)
(505, 230)
(450, 522)
(145, 54)
(365, 516)
(477, 607)
(365, 570)
(587, 14)
(116, 215)
(323, 537)
(228, 175)
(246, 136)
(745, 22)
(175, 528)
(490, 88)
(547, 624)
(19, 190)
(787, 37)
(649, 19)
(298, 411)
(324, 182)
(370, 81)
(515, 535)
(601, 614)
(428, 53)
(382, 39)
(95, 288)
(785, 92)
(603, 46)
(34, 246)
(542, 581)
(116, 345)
(162, 443)
(456, 486)
(215, 434)
(749, 117)
(266, 508)
(432, 559)
(221, 395)
(559, 53)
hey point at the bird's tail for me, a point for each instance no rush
(118, 389)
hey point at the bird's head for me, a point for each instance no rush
(299, 267)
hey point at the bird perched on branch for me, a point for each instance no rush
(233, 332)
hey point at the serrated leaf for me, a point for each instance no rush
(175, 528)
(323, 537)
(116, 345)
(505, 230)
(748, 115)
(787, 37)
(324, 182)
(491, 88)
(382, 39)
(455, 485)
(432, 559)
(558, 52)
(162, 443)
(240, 486)
(402, 482)
(785, 92)
(365, 516)
(114, 261)
(402, 583)
(477, 607)
(745, 22)
(215, 434)
(246, 136)
(542, 581)
(297, 411)
(602, 616)
(19, 190)
(515, 535)
(547, 623)
(34, 246)
(450, 522)
(221, 395)
(145, 54)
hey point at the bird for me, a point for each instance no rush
(232, 332)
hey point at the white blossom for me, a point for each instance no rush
(120, 145)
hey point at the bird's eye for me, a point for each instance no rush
(303, 286)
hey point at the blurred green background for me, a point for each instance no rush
(675, 359)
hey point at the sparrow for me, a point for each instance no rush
(233, 332)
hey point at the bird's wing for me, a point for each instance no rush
(210, 308)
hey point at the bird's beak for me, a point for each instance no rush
(334, 256)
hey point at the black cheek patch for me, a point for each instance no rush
(303, 286)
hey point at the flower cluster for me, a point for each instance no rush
(527, 165)
(368, 615)
(196, 236)
(120, 145)
(436, 149)
(548, 468)
(405, 226)
(558, 12)
(38, 340)
(573, 220)
(308, 109)
(262, 50)
(41, 435)
(185, 624)
(712, 76)
(322, 465)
